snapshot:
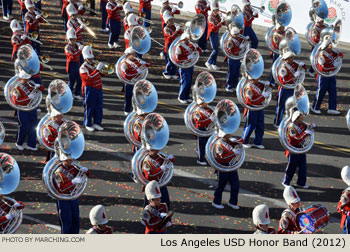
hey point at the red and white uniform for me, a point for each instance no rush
(170, 34)
(202, 7)
(343, 206)
(270, 230)
(17, 42)
(202, 117)
(286, 74)
(137, 128)
(21, 93)
(170, 9)
(64, 5)
(5, 207)
(127, 37)
(50, 132)
(32, 23)
(296, 133)
(95, 230)
(131, 68)
(113, 10)
(277, 37)
(145, 4)
(63, 178)
(236, 44)
(151, 166)
(151, 217)
(90, 76)
(249, 15)
(316, 32)
(72, 53)
(326, 60)
(288, 222)
(214, 24)
(184, 50)
(75, 24)
(253, 93)
(225, 151)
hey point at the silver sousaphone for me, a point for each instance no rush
(136, 78)
(9, 180)
(204, 91)
(299, 101)
(27, 60)
(227, 122)
(60, 96)
(2, 133)
(145, 100)
(253, 68)
(140, 40)
(348, 119)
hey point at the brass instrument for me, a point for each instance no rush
(107, 68)
(179, 5)
(34, 37)
(43, 17)
(88, 29)
(44, 60)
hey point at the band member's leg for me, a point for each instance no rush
(165, 196)
(72, 75)
(332, 92)
(201, 143)
(104, 15)
(23, 126)
(234, 182)
(347, 225)
(65, 20)
(214, 40)
(223, 179)
(290, 169)
(32, 132)
(302, 175)
(4, 7)
(248, 31)
(322, 86)
(259, 129)
(128, 98)
(112, 32)
(64, 210)
(249, 125)
(78, 80)
(89, 103)
(117, 31)
(98, 115)
(75, 217)
(274, 57)
(148, 16)
(283, 95)
(9, 7)
(185, 82)
(24, 23)
(202, 42)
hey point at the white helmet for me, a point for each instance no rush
(127, 8)
(152, 190)
(245, 2)
(133, 19)
(261, 215)
(167, 16)
(87, 52)
(288, 54)
(235, 30)
(345, 174)
(29, 4)
(71, 10)
(163, 1)
(129, 50)
(326, 41)
(98, 215)
(295, 115)
(214, 5)
(55, 112)
(23, 75)
(290, 195)
(15, 25)
(71, 34)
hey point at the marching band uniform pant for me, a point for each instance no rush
(346, 228)
(201, 143)
(128, 97)
(27, 121)
(233, 73)
(36, 80)
(68, 215)
(104, 15)
(65, 20)
(114, 31)
(74, 76)
(294, 161)
(214, 41)
(24, 11)
(232, 178)
(248, 31)
(254, 120)
(170, 68)
(202, 42)
(93, 106)
(274, 57)
(185, 82)
(325, 84)
(7, 7)
(282, 96)
(163, 199)
(148, 16)
(35, 45)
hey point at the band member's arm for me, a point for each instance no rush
(50, 135)
(151, 223)
(201, 120)
(293, 135)
(20, 98)
(150, 172)
(254, 97)
(344, 204)
(285, 226)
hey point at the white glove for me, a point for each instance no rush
(37, 16)
(84, 169)
(163, 215)
(297, 74)
(302, 64)
(139, 71)
(309, 132)
(336, 63)
(178, 27)
(37, 85)
(17, 204)
(10, 216)
(82, 26)
(31, 96)
(99, 66)
(77, 181)
(23, 37)
(173, 10)
(237, 152)
(171, 156)
(246, 37)
(191, 56)
(80, 7)
(80, 46)
(163, 167)
(212, 118)
(313, 125)
(254, 13)
(265, 94)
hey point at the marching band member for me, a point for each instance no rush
(254, 120)
(249, 16)
(203, 117)
(65, 180)
(225, 151)
(7, 9)
(276, 39)
(171, 32)
(64, 13)
(288, 74)
(146, 7)
(104, 15)
(50, 132)
(154, 213)
(23, 11)
(18, 38)
(27, 120)
(74, 22)
(32, 23)
(215, 22)
(153, 166)
(127, 11)
(261, 220)
(131, 68)
(344, 203)
(184, 52)
(113, 21)
(327, 63)
(98, 219)
(287, 223)
(132, 21)
(202, 7)
(5, 214)
(73, 53)
(297, 131)
(92, 90)
(166, 7)
(237, 44)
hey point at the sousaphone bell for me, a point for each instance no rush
(2, 133)
(140, 39)
(60, 96)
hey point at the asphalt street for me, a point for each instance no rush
(108, 154)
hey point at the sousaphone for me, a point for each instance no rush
(60, 96)
(136, 78)
(2, 133)
(140, 40)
